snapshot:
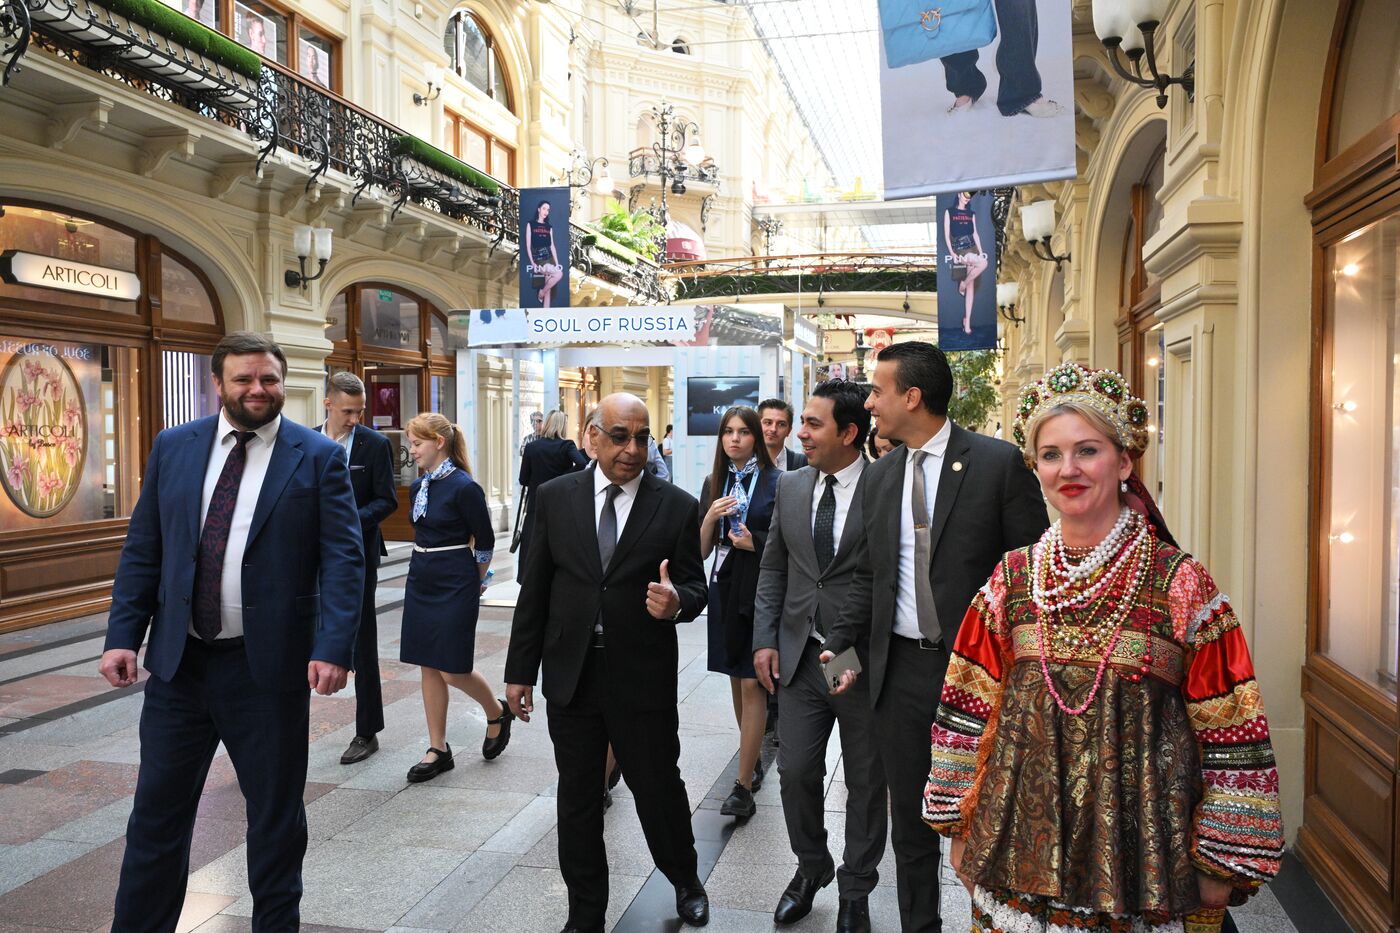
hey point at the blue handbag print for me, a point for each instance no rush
(918, 30)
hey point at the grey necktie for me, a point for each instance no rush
(824, 531)
(923, 589)
(607, 527)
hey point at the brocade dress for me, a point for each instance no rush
(1101, 821)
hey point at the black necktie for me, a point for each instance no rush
(607, 527)
(824, 531)
(213, 541)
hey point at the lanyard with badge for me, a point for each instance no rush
(723, 548)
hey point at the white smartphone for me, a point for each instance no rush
(839, 665)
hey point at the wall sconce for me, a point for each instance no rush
(589, 173)
(1131, 25)
(1007, 293)
(1038, 225)
(1346, 407)
(304, 238)
(434, 75)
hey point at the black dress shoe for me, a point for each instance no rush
(757, 781)
(491, 748)
(614, 775)
(360, 749)
(797, 898)
(853, 916)
(427, 770)
(607, 799)
(692, 903)
(574, 929)
(739, 802)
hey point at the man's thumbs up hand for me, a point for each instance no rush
(663, 602)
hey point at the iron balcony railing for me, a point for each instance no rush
(646, 162)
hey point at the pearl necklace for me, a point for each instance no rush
(1074, 574)
(1129, 565)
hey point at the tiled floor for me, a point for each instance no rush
(473, 850)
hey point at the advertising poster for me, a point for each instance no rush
(967, 262)
(975, 94)
(710, 397)
(544, 247)
(679, 325)
(254, 30)
(50, 419)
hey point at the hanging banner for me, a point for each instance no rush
(680, 325)
(975, 94)
(967, 262)
(544, 247)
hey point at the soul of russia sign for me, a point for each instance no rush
(490, 327)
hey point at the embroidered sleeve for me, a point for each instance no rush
(967, 709)
(1237, 828)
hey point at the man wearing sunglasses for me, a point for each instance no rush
(614, 564)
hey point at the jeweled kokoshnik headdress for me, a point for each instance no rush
(1101, 389)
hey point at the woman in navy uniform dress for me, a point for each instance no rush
(735, 526)
(452, 545)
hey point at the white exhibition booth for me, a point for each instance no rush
(719, 355)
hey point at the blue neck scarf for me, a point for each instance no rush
(420, 501)
(740, 492)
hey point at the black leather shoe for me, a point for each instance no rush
(739, 802)
(427, 770)
(614, 775)
(492, 748)
(574, 929)
(692, 903)
(853, 916)
(360, 749)
(757, 781)
(797, 898)
(607, 799)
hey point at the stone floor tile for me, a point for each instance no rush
(20, 864)
(99, 827)
(215, 838)
(535, 900)
(199, 908)
(74, 896)
(33, 696)
(460, 819)
(332, 813)
(513, 772)
(231, 923)
(89, 724)
(524, 830)
(227, 874)
(622, 836)
(446, 906)
(363, 886)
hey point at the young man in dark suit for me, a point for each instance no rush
(807, 568)
(371, 459)
(243, 561)
(937, 515)
(775, 416)
(614, 564)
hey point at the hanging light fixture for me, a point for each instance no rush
(1038, 225)
(1130, 26)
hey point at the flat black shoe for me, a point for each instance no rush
(614, 775)
(360, 749)
(427, 770)
(798, 896)
(739, 802)
(757, 780)
(692, 903)
(492, 748)
(607, 799)
(853, 916)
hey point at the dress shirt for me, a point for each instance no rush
(347, 441)
(622, 504)
(258, 454)
(906, 613)
(780, 462)
(845, 492)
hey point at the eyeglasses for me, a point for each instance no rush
(621, 438)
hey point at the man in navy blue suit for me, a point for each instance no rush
(244, 561)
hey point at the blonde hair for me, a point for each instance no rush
(430, 425)
(1097, 420)
(555, 424)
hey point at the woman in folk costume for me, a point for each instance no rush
(1101, 758)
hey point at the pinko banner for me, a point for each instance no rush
(975, 94)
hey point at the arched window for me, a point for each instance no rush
(475, 56)
(680, 46)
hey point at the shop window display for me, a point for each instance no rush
(71, 238)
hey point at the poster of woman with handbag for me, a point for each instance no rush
(965, 251)
(967, 314)
(542, 211)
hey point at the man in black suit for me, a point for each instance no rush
(775, 417)
(964, 500)
(371, 460)
(808, 565)
(243, 563)
(614, 565)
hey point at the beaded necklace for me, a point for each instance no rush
(1107, 581)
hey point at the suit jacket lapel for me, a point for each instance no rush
(804, 542)
(949, 482)
(894, 494)
(286, 454)
(193, 463)
(357, 449)
(638, 520)
(851, 530)
(587, 524)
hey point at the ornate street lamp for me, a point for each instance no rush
(309, 243)
(677, 147)
(584, 173)
(1038, 225)
(1131, 25)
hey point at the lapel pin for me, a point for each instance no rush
(957, 466)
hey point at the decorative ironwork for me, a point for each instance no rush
(634, 194)
(1001, 210)
(771, 227)
(15, 27)
(641, 162)
(582, 173)
(706, 206)
(667, 161)
(816, 273)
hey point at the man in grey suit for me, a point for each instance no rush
(806, 572)
(936, 517)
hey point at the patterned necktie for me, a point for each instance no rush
(824, 531)
(923, 556)
(213, 541)
(607, 527)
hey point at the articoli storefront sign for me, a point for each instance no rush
(20, 268)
